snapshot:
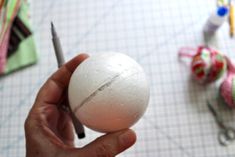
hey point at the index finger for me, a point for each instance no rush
(51, 92)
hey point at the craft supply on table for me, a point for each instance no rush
(231, 19)
(215, 20)
(226, 135)
(17, 46)
(9, 11)
(207, 64)
(227, 87)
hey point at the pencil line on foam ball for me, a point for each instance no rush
(107, 84)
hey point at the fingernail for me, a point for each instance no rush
(127, 138)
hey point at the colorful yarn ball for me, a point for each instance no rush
(207, 64)
(227, 87)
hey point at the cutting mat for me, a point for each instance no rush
(177, 122)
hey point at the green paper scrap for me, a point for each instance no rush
(25, 54)
(223, 2)
(233, 89)
(10, 6)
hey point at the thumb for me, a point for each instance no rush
(110, 144)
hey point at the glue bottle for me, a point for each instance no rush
(216, 20)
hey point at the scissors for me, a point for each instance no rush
(227, 134)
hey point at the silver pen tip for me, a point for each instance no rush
(53, 32)
(52, 25)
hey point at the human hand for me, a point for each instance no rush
(49, 130)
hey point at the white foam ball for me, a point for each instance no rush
(108, 92)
